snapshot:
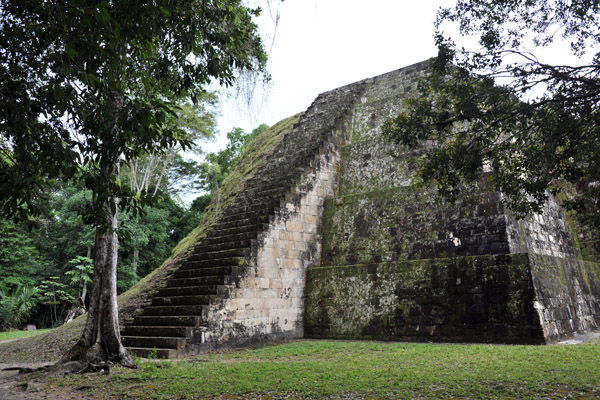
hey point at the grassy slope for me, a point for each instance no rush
(11, 335)
(52, 345)
(334, 369)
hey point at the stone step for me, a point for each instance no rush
(198, 272)
(245, 203)
(213, 255)
(245, 200)
(255, 220)
(187, 290)
(165, 311)
(266, 177)
(196, 281)
(251, 195)
(171, 331)
(240, 213)
(176, 343)
(169, 320)
(289, 167)
(236, 230)
(145, 352)
(248, 216)
(225, 245)
(235, 237)
(219, 262)
(180, 300)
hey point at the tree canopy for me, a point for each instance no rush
(85, 84)
(499, 110)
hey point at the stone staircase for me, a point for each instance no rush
(178, 311)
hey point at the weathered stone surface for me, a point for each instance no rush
(405, 223)
(567, 296)
(510, 298)
(396, 264)
(546, 234)
(465, 299)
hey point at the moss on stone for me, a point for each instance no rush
(481, 299)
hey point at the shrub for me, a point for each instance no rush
(16, 305)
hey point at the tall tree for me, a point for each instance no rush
(498, 110)
(168, 169)
(86, 86)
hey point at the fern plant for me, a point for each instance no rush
(16, 305)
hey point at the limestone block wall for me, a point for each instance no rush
(547, 233)
(567, 296)
(510, 298)
(381, 213)
(404, 223)
(396, 264)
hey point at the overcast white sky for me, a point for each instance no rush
(324, 44)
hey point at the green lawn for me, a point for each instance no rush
(338, 369)
(21, 334)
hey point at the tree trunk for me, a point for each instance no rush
(101, 336)
(134, 262)
(168, 158)
(85, 284)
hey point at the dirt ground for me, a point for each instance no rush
(16, 386)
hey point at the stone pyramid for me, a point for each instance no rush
(322, 232)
